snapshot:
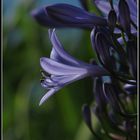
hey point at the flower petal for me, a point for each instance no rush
(59, 54)
(65, 79)
(99, 94)
(92, 38)
(112, 96)
(104, 6)
(132, 6)
(47, 95)
(59, 80)
(103, 49)
(56, 68)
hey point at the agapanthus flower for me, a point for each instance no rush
(114, 40)
(62, 69)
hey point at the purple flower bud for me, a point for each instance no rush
(65, 15)
(103, 49)
(124, 15)
(127, 12)
(99, 94)
(112, 96)
(112, 19)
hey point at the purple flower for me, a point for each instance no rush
(125, 10)
(106, 49)
(62, 69)
(65, 15)
(124, 15)
(105, 7)
(112, 19)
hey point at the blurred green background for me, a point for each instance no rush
(24, 42)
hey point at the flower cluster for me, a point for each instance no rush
(114, 39)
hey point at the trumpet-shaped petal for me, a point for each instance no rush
(62, 69)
